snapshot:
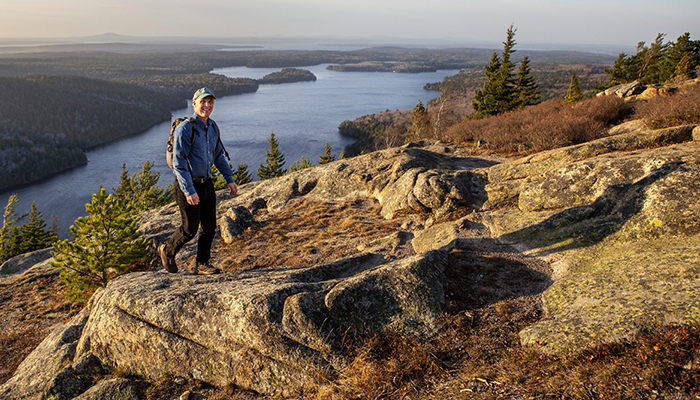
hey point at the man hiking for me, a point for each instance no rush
(196, 147)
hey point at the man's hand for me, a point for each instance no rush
(193, 200)
(234, 189)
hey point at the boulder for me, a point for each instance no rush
(273, 331)
(440, 181)
(22, 262)
(622, 213)
(507, 181)
(47, 370)
(118, 388)
(625, 90)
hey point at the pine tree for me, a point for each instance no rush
(274, 163)
(420, 123)
(659, 63)
(573, 94)
(33, 235)
(141, 189)
(327, 157)
(647, 59)
(17, 238)
(303, 163)
(219, 180)
(9, 228)
(682, 60)
(528, 92)
(241, 175)
(621, 72)
(107, 244)
(499, 93)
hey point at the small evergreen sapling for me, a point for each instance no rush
(141, 190)
(573, 94)
(107, 244)
(274, 164)
(242, 175)
(303, 163)
(18, 238)
(327, 156)
(420, 123)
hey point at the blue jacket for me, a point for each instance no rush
(193, 160)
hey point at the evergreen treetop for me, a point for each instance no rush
(18, 238)
(657, 63)
(420, 123)
(141, 190)
(503, 91)
(527, 88)
(274, 164)
(242, 175)
(327, 156)
(303, 163)
(573, 94)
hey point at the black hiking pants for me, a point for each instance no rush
(203, 214)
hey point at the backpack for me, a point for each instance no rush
(171, 140)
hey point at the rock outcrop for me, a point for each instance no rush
(623, 212)
(616, 219)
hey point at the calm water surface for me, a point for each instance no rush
(304, 117)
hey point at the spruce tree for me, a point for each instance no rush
(621, 72)
(499, 93)
(485, 100)
(327, 157)
(659, 63)
(241, 175)
(528, 91)
(682, 60)
(647, 59)
(141, 189)
(420, 123)
(9, 228)
(33, 235)
(274, 163)
(17, 238)
(107, 244)
(303, 163)
(573, 94)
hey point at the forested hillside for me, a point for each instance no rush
(47, 121)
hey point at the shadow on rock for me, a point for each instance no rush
(585, 225)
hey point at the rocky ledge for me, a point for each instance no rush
(609, 230)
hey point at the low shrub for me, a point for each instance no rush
(545, 126)
(679, 108)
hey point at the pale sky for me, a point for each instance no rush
(614, 22)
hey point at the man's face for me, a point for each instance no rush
(203, 107)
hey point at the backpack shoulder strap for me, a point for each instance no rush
(218, 138)
(193, 123)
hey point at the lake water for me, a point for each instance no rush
(304, 117)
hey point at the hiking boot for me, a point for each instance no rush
(205, 269)
(168, 262)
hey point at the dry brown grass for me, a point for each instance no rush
(306, 232)
(29, 308)
(478, 356)
(477, 353)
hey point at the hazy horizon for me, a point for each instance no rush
(538, 22)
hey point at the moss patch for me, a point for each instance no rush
(616, 290)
